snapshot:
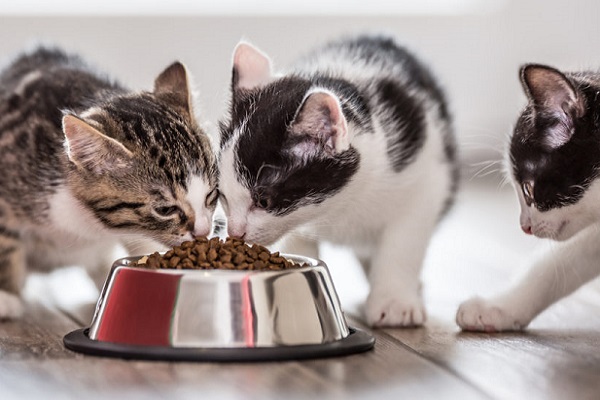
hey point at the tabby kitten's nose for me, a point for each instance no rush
(526, 229)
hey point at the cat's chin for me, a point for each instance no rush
(261, 239)
(175, 241)
(559, 234)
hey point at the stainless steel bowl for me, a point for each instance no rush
(219, 314)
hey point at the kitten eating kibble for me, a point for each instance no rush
(352, 146)
(87, 164)
(554, 155)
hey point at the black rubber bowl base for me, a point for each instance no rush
(357, 341)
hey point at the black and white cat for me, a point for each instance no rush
(87, 164)
(554, 165)
(353, 146)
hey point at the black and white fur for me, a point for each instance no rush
(554, 159)
(353, 146)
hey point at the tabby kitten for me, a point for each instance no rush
(352, 146)
(554, 155)
(87, 164)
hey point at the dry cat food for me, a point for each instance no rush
(215, 253)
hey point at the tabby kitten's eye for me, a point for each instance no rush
(528, 192)
(167, 211)
(211, 198)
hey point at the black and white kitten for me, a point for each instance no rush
(353, 146)
(87, 164)
(555, 159)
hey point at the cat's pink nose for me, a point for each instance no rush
(238, 232)
(526, 229)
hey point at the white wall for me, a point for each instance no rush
(475, 56)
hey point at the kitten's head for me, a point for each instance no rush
(284, 150)
(555, 152)
(141, 164)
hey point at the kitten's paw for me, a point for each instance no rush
(395, 311)
(11, 306)
(478, 314)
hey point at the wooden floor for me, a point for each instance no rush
(477, 250)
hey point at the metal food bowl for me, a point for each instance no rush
(219, 315)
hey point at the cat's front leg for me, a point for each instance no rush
(12, 275)
(395, 298)
(559, 273)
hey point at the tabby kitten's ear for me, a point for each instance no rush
(91, 150)
(173, 86)
(319, 127)
(553, 93)
(251, 67)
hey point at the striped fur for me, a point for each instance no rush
(87, 163)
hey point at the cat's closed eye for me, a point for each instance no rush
(168, 211)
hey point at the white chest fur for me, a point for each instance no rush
(71, 236)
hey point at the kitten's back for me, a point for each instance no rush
(361, 58)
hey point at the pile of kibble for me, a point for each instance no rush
(215, 253)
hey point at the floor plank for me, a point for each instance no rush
(37, 336)
(534, 365)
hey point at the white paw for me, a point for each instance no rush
(395, 310)
(11, 306)
(478, 314)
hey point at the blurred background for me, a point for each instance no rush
(475, 47)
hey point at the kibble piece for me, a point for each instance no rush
(174, 261)
(252, 254)
(212, 255)
(277, 260)
(153, 262)
(239, 258)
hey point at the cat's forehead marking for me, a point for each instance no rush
(92, 111)
(26, 81)
(233, 189)
(240, 129)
